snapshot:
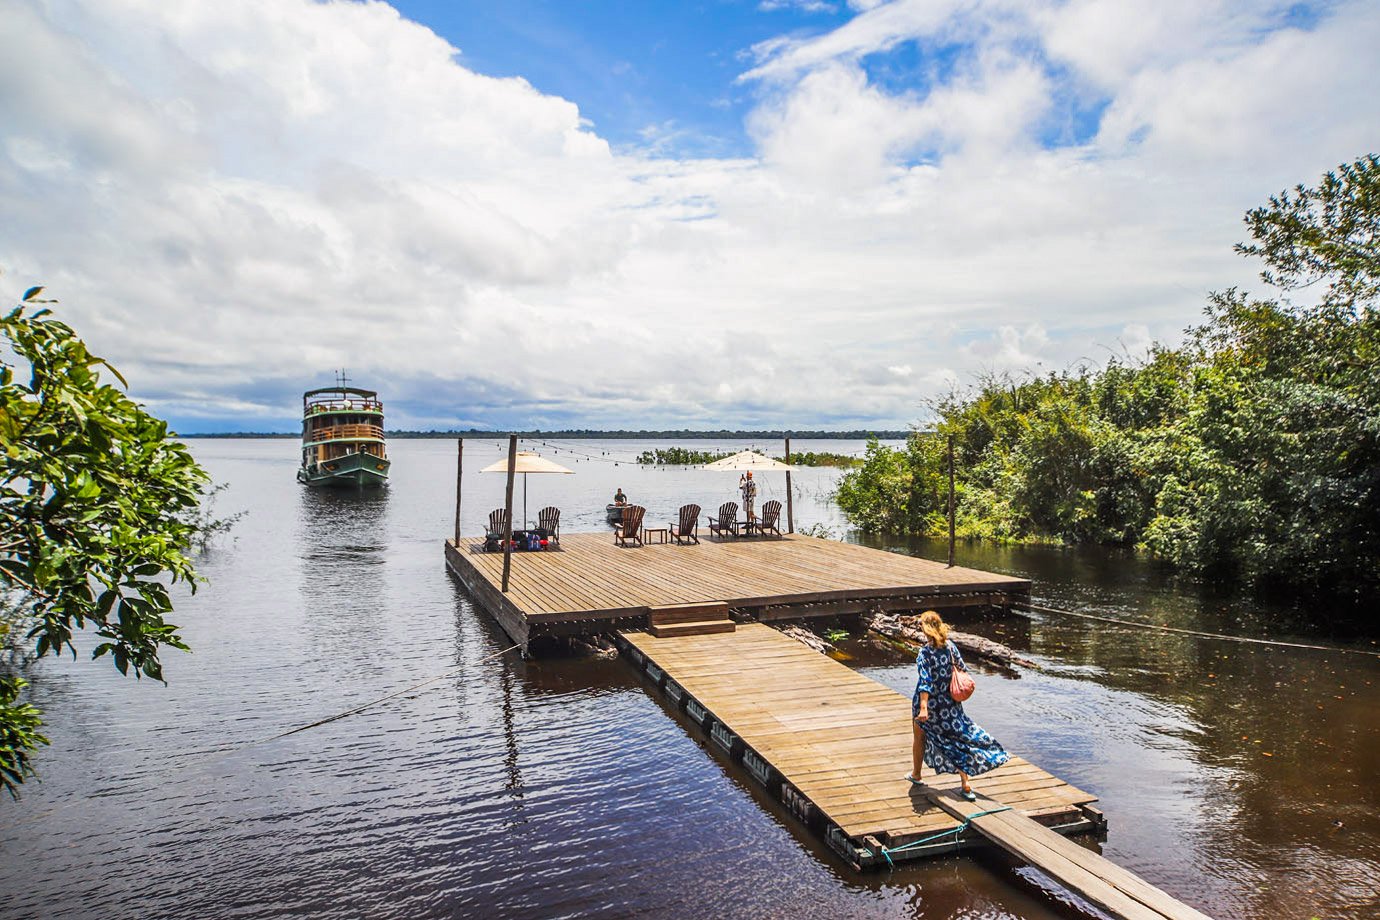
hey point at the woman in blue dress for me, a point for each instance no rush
(945, 738)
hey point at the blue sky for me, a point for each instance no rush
(716, 214)
(668, 67)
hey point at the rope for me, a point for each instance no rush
(1196, 632)
(955, 832)
(382, 699)
(605, 457)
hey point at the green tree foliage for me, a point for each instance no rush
(1252, 451)
(19, 724)
(96, 512)
(1330, 233)
(684, 456)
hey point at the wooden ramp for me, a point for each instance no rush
(834, 747)
(1092, 876)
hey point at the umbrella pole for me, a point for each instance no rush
(508, 512)
(790, 511)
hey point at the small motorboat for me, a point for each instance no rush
(614, 513)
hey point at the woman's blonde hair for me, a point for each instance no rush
(935, 628)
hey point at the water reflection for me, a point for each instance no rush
(341, 544)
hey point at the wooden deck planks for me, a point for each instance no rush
(841, 742)
(840, 738)
(587, 577)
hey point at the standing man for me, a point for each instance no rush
(749, 490)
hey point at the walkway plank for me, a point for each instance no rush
(834, 746)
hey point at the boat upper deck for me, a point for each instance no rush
(587, 578)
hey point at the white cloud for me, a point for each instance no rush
(232, 199)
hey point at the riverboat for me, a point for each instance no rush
(342, 438)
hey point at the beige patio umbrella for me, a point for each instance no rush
(749, 461)
(526, 462)
(745, 461)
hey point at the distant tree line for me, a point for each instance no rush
(857, 434)
(1250, 452)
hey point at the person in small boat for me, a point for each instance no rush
(619, 498)
(944, 736)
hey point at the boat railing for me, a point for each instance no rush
(344, 432)
(346, 405)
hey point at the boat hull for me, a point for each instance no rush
(351, 471)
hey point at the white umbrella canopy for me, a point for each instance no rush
(746, 460)
(526, 462)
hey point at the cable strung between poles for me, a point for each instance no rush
(1198, 632)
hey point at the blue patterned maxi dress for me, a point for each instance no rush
(953, 743)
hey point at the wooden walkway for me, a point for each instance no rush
(590, 585)
(834, 747)
(1095, 878)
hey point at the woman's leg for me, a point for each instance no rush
(963, 778)
(917, 749)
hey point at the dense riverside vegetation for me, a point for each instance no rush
(680, 456)
(1251, 451)
(98, 514)
(684, 456)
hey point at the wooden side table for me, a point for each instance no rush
(663, 534)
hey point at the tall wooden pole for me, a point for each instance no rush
(951, 501)
(790, 508)
(459, 468)
(508, 511)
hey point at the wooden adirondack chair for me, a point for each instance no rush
(770, 520)
(630, 528)
(689, 526)
(726, 522)
(498, 527)
(549, 520)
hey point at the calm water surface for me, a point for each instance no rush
(1239, 777)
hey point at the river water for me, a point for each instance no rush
(1239, 777)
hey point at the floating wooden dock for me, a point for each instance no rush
(588, 585)
(834, 747)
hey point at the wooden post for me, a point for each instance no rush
(508, 511)
(951, 501)
(459, 468)
(790, 508)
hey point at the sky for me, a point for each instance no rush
(728, 213)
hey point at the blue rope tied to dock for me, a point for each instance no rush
(955, 832)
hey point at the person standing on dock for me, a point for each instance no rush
(944, 736)
(749, 490)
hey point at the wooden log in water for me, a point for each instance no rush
(907, 629)
(807, 637)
